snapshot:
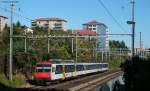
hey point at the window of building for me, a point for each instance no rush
(90, 28)
(94, 25)
(46, 24)
(90, 25)
(94, 28)
(58, 24)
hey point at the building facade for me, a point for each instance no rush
(49, 23)
(102, 30)
(3, 22)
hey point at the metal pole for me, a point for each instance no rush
(109, 55)
(96, 49)
(105, 55)
(102, 55)
(48, 46)
(76, 51)
(133, 27)
(76, 55)
(120, 53)
(25, 45)
(11, 41)
(93, 52)
(72, 43)
(140, 43)
(11, 37)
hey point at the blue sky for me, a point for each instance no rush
(77, 12)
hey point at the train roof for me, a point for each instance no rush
(55, 61)
(43, 62)
(61, 61)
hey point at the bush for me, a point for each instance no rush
(18, 80)
(137, 74)
(114, 64)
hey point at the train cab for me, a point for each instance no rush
(43, 70)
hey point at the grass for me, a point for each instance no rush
(114, 64)
(18, 80)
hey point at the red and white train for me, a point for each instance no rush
(46, 71)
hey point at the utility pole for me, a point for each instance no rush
(11, 41)
(25, 42)
(48, 43)
(76, 49)
(72, 43)
(133, 26)
(76, 54)
(11, 37)
(102, 55)
(96, 48)
(140, 44)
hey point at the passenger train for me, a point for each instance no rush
(48, 71)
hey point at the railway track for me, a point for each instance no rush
(89, 86)
(85, 83)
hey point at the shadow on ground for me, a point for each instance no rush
(5, 88)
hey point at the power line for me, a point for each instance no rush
(5, 9)
(109, 13)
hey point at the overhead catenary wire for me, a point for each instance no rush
(5, 9)
(109, 13)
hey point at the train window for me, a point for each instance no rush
(100, 65)
(39, 69)
(69, 68)
(92, 66)
(66, 69)
(97, 66)
(104, 65)
(72, 68)
(59, 69)
(87, 67)
(43, 68)
(46, 69)
(80, 67)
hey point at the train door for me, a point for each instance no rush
(59, 72)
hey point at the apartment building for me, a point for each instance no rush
(100, 29)
(3, 22)
(49, 23)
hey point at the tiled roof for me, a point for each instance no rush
(84, 32)
(93, 23)
(50, 19)
(4, 17)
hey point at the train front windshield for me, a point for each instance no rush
(43, 68)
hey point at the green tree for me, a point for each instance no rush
(117, 44)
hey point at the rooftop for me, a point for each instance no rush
(84, 32)
(94, 23)
(4, 17)
(50, 19)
